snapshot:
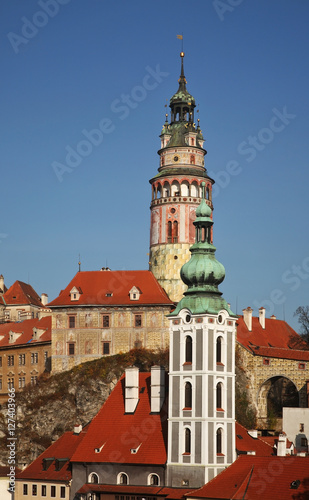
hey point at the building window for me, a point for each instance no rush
(122, 478)
(21, 382)
(301, 427)
(34, 358)
(0, 361)
(192, 160)
(219, 349)
(188, 349)
(302, 366)
(93, 478)
(153, 480)
(106, 321)
(106, 348)
(1, 384)
(137, 320)
(219, 396)
(304, 442)
(34, 490)
(25, 489)
(43, 491)
(62, 491)
(187, 441)
(34, 380)
(219, 441)
(266, 362)
(53, 491)
(71, 321)
(71, 349)
(45, 356)
(10, 383)
(188, 395)
(10, 360)
(22, 359)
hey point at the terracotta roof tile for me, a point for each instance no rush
(246, 443)
(277, 340)
(25, 328)
(22, 293)
(116, 433)
(165, 492)
(271, 478)
(63, 448)
(97, 285)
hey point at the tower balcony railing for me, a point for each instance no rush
(178, 199)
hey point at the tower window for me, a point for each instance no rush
(188, 349)
(219, 395)
(71, 321)
(106, 321)
(175, 231)
(187, 441)
(188, 395)
(93, 478)
(219, 349)
(123, 478)
(153, 480)
(219, 441)
(169, 232)
(137, 320)
(192, 160)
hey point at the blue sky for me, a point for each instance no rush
(68, 66)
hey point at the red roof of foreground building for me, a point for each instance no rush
(21, 293)
(245, 443)
(170, 493)
(253, 478)
(276, 340)
(57, 456)
(112, 288)
(24, 331)
(114, 434)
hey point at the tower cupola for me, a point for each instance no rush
(182, 103)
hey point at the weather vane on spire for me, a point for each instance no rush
(180, 37)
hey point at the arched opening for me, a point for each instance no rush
(169, 231)
(219, 440)
(207, 193)
(122, 478)
(185, 189)
(158, 196)
(188, 395)
(175, 189)
(175, 231)
(93, 478)
(194, 189)
(188, 349)
(187, 440)
(219, 350)
(153, 480)
(282, 393)
(219, 395)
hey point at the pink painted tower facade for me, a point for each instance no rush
(176, 191)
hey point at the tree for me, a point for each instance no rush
(303, 318)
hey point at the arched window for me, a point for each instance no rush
(187, 440)
(207, 193)
(153, 480)
(122, 478)
(219, 441)
(192, 159)
(188, 395)
(219, 395)
(219, 349)
(188, 353)
(93, 478)
(175, 231)
(169, 231)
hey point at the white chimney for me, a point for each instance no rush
(253, 433)
(44, 299)
(1, 285)
(131, 389)
(248, 318)
(281, 446)
(273, 317)
(77, 428)
(262, 317)
(157, 388)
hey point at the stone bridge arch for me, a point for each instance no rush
(276, 392)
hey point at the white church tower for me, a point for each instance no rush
(201, 430)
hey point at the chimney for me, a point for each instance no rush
(77, 428)
(44, 299)
(131, 389)
(253, 433)
(281, 446)
(273, 317)
(1, 284)
(157, 388)
(262, 317)
(248, 318)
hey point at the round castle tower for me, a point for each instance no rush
(176, 191)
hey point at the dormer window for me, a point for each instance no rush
(134, 293)
(75, 293)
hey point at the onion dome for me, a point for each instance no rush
(203, 273)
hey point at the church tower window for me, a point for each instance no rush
(188, 349)
(188, 395)
(187, 441)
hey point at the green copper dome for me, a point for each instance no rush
(203, 273)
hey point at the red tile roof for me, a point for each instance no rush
(170, 493)
(62, 451)
(25, 328)
(22, 293)
(255, 478)
(246, 443)
(277, 340)
(95, 285)
(117, 433)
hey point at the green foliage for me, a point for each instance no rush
(245, 414)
